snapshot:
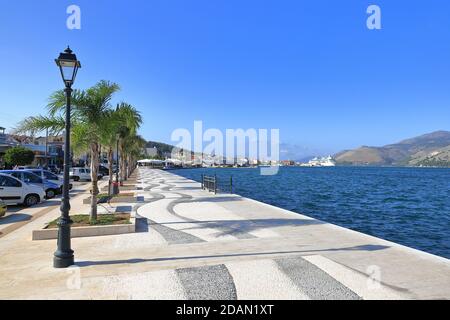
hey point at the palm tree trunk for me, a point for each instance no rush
(125, 167)
(130, 165)
(133, 164)
(94, 179)
(125, 175)
(110, 164)
(121, 162)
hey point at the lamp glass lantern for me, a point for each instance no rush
(68, 65)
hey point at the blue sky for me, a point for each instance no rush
(310, 68)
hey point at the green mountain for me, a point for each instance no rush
(162, 147)
(432, 149)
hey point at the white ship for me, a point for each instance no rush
(320, 162)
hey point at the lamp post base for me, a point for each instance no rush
(63, 262)
(63, 256)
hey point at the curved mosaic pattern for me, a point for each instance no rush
(283, 278)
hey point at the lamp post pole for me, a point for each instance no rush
(46, 148)
(64, 255)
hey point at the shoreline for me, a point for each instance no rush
(410, 236)
(314, 167)
(290, 212)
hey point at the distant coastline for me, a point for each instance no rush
(428, 150)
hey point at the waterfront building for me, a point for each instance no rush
(287, 163)
(47, 149)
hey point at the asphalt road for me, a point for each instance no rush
(19, 215)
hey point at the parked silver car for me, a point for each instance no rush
(49, 176)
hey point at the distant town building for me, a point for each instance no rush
(5, 144)
(47, 150)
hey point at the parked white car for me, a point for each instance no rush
(51, 189)
(78, 174)
(14, 191)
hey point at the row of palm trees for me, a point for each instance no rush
(96, 124)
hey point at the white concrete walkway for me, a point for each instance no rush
(196, 245)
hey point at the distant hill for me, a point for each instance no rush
(432, 149)
(161, 147)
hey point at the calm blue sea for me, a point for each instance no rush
(410, 206)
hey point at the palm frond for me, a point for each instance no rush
(80, 138)
(97, 101)
(57, 101)
(130, 117)
(32, 125)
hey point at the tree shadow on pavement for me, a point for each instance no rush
(233, 227)
(367, 247)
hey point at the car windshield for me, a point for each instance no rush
(16, 174)
(6, 181)
(32, 178)
(50, 176)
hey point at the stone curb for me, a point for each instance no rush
(81, 232)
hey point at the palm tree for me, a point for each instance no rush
(109, 140)
(91, 114)
(131, 120)
(90, 120)
(134, 148)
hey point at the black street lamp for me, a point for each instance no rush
(63, 257)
